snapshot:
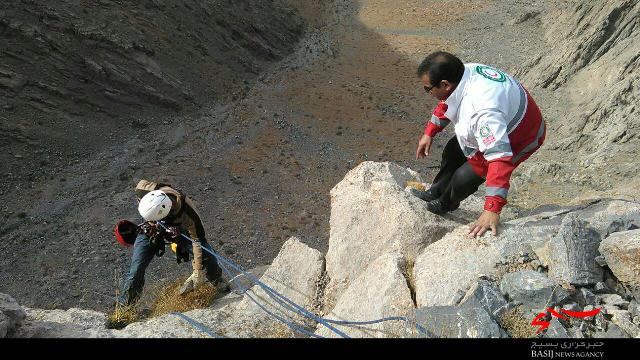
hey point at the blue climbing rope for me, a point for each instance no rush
(290, 324)
(337, 322)
(292, 306)
(289, 304)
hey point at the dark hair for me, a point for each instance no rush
(440, 66)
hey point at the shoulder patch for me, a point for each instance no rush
(491, 73)
(487, 135)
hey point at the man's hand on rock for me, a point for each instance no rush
(488, 220)
(424, 146)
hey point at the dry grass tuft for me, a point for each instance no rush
(407, 272)
(122, 316)
(517, 325)
(169, 300)
(416, 185)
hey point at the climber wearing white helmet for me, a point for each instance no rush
(161, 202)
(154, 206)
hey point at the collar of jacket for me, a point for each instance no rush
(454, 100)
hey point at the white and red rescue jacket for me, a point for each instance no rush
(497, 123)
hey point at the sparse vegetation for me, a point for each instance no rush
(407, 272)
(416, 185)
(169, 300)
(122, 316)
(514, 322)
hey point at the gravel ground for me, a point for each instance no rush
(260, 165)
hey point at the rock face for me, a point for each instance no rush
(371, 213)
(532, 289)
(380, 291)
(11, 315)
(556, 330)
(458, 322)
(72, 323)
(446, 269)
(622, 253)
(491, 286)
(295, 272)
(115, 68)
(573, 253)
(592, 45)
(487, 296)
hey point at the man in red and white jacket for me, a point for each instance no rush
(497, 127)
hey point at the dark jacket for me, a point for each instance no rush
(183, 214)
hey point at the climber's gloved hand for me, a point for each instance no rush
(149, 229)
(173, 232)
(197, 278)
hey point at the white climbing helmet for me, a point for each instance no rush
(154, 206)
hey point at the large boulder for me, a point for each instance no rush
(623, 319)
(606, 216)
(622, 253)
(72, 323)
(532, 289)
(294, 273)
(573, 252)
(484, 294)
(610, 216)
(446, 269)
(372, 214)
(11, 315)
(380, 291)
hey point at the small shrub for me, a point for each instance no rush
(169, 300)
(517, 325)
(122, 316)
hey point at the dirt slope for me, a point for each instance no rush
(262, 161)
(77, 76)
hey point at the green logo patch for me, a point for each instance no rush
(484, 131)
(491, 73)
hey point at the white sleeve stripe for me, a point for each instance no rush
(498, 156)
(522, 108)
(438, 121)
(501, 148)
(496, 191)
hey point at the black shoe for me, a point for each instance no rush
(425, 195)
(436, 207)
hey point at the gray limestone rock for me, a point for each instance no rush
(532, 289)
(573, 252)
